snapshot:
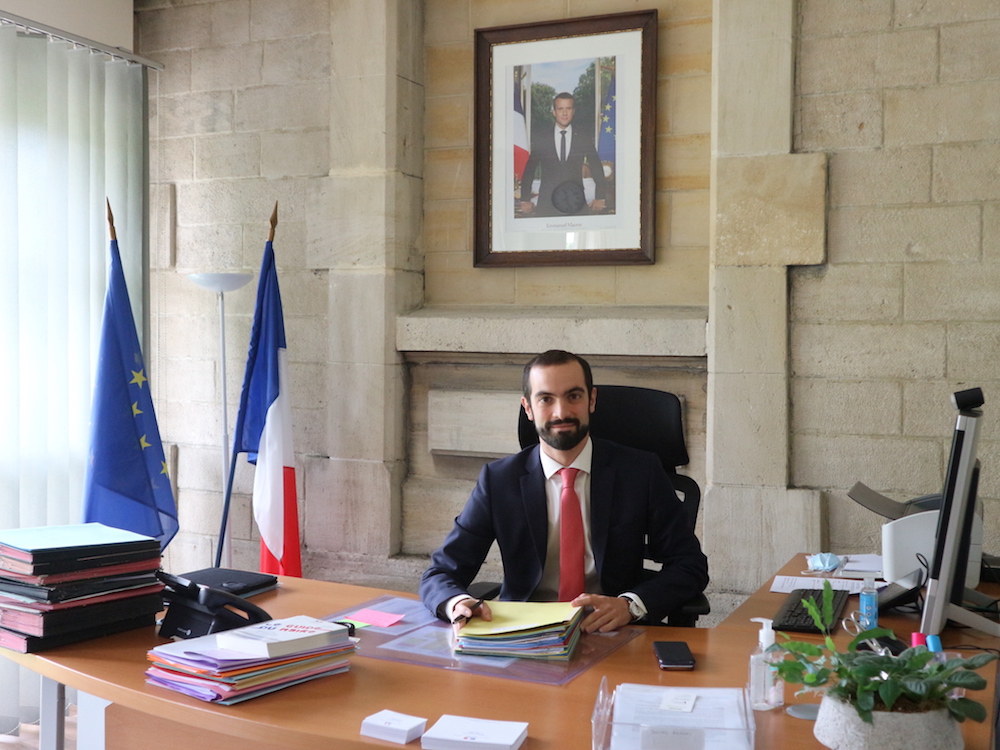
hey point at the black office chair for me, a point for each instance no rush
(641, 418)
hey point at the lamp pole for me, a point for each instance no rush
(220, 283)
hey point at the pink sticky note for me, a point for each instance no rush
(376, 618)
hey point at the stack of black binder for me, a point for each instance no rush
(61, 584)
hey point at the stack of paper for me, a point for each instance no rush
(661, 716)
(275, 638)
(61, 584)
(199, 667)
(460, 732)
(527, 630)
(393, 727)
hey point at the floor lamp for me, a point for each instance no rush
(222, 283)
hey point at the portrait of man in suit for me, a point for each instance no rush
(562, 158)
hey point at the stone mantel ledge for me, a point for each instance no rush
(621, 331)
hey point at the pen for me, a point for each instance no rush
(463, 618)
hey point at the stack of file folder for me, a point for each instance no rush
(200, 668)
(526, 630)
(62, 584)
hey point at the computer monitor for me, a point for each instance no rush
(946, 591)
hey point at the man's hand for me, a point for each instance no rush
(597, 205)
(610, 612)
(466, 609)
(527, 207)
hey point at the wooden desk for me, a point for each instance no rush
(328, 712)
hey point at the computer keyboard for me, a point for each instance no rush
(793, 616)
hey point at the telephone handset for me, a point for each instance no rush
(194, 609)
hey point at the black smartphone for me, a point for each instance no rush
(673, 655)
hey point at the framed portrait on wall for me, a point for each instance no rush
(565, 142)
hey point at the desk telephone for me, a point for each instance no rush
(194, 609)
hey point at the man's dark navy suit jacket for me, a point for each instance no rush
(630, 497)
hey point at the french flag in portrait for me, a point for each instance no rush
(264, 429)
(520, 129)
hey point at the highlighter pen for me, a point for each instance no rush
(917, 639)
(934, 643)
(463, 618)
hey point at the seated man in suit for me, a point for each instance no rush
(570, 516)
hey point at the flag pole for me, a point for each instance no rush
(111, 221)
(235, 453)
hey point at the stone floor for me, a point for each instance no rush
(722, 604)
(28, 738)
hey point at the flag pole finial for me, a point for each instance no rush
(274, 222)
(111, 221)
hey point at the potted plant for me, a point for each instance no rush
(875, 700)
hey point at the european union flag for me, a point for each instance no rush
(606, 125)
(127, 483)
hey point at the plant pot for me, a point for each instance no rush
(839, 727)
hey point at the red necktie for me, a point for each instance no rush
(571, 545)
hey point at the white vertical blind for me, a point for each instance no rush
(72, 132)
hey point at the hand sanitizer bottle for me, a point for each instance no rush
(868, 614)
(767, 690)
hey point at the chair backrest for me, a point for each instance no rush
(641, 418)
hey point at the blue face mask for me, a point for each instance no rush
(824, 561)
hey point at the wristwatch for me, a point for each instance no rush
(634, 609)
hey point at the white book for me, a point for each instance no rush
(276, 638)
(461, 732)
(393, 727)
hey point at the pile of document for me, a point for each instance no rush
(202, 668)
(659, 716)
(393, 726)
(460, 732)
(62, 584)
(526, 630)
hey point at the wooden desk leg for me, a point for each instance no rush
(52, 723)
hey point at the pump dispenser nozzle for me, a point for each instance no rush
(766, 635)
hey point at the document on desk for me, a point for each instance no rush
(643, 719)
(788, 584)
(860, 566)
(456, 732)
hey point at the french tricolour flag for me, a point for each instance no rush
(264, 429)
(520, 129)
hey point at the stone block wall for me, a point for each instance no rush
(257, 105)
(903, 98)
(357, 117)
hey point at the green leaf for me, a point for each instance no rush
(827, 604)
(814, 613)
(979, 660)
(915, 686)
(967, 680)
(805, 649)
(966, 708)
(865, 700)
(864, 713)
(920, 658)
(889, 691)
(868, 635)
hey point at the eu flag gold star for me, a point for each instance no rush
(136, 411)
(137, 378)
(143, 444)
(164, 469)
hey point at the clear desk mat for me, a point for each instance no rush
(421, 638)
